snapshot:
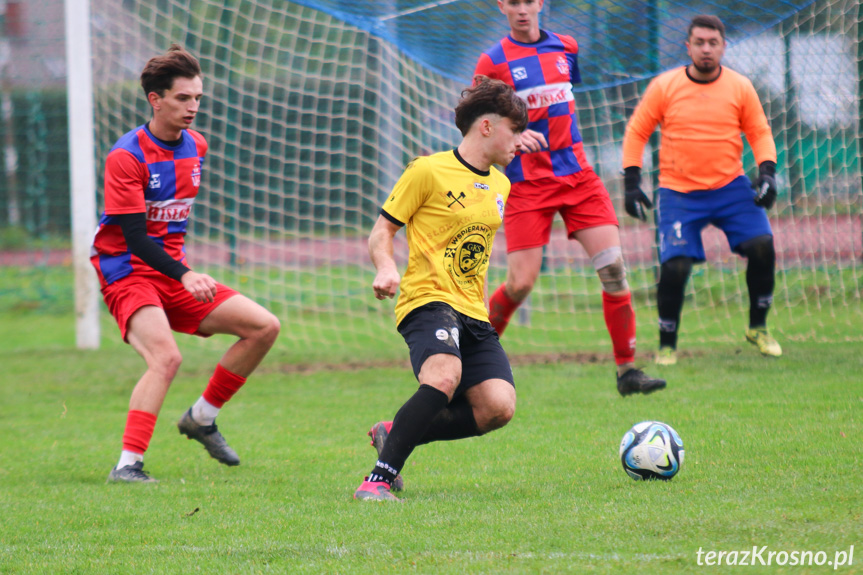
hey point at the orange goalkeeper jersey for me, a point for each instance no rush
(700, 126)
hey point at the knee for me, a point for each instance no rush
(503, 413)
(443, 382)
(759, 249)
(675, 271)
(518, 287)
(270, 329)
(166, 363)
(611, 270)
(496, 412)
(266, 330)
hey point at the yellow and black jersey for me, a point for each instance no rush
(451, 211)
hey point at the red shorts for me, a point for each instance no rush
(126, 296)
(581, 199)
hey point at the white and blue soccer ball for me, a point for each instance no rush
(651, 450)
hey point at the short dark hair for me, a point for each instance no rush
(160, 72)
(488, 96)
(706, 21)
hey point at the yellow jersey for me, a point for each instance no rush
(451, 212)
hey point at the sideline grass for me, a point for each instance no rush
(772, 458)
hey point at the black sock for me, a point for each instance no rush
(383, 472)
(669, 298)
(409, 427)
(667, 333)
(455, 421)
(760, 277)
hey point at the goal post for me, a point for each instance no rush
(82, 170)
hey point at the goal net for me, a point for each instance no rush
(312, 109)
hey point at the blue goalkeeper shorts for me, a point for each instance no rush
(731, 208)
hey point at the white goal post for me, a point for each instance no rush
(82, 170)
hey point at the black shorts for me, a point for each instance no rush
(438, 328)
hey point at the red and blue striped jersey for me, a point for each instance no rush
(542, 74)
(145, 175)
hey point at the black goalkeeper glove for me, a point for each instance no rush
(634, 199)
(765, 185)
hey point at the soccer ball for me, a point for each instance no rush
(651, 450)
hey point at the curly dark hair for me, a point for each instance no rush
(488, 96)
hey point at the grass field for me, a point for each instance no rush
(773, 459)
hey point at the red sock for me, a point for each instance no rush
(139, 431)
(222, 387)
(501, 308)
(620, 321)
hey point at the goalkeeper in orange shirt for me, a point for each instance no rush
(702, 108)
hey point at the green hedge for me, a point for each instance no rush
(38, 133)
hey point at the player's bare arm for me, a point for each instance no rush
(381, 251)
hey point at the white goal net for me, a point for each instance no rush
(312, 109)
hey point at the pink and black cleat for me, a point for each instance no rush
(375, 491)
(379, 433)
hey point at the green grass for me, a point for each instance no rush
(772, 458)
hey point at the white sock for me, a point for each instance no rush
(128, 458)
(204, 412)
(621, 369)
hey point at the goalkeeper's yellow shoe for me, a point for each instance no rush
(666, 356)
(762, 339)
